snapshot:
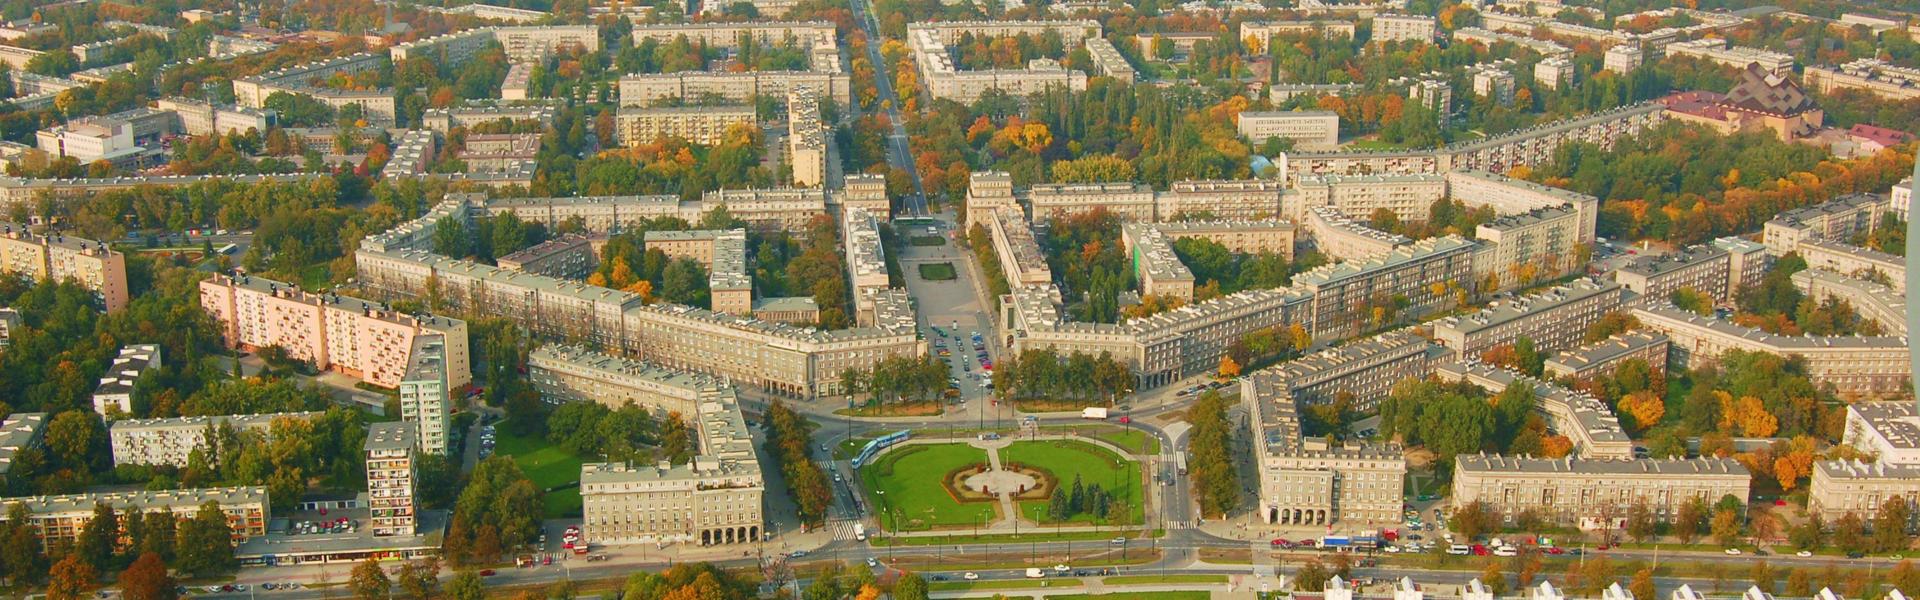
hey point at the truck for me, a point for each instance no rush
(1035, 573)
(1093, 412)
(860, 532)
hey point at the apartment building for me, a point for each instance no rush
(728, 35)
(867, 192)
(1699, 268)
(988, 192)
(1717, 51)
(1839, 219)
(1155, 266)
(413, 153)
(1263, 32)
(19, 432)
(114, 396)
(1409, 197)
(1263, 236)
(1886, 308)
(1020, 257)
(569, 256)
(1353, 295)
(1494, 81)
(1592, 493)
(1247, 199)
(519, 78)
(705, 125)
(533, 44)
(1586, 421)
(1851, 487)
(1306, 481)
(1623, 58)
(58, 520)
(391, 478)
(1108, 60)
(712, 500)
(426, 400)
(92, 139)
(929, 41)
(866, 257)
(60, 257)
(1854, 365)
(1540, 244)
(252, 92)
(1554, 320)
(492, 152)
(1890, 431)
(1851, 260)
(1600, 359)
(650, 89)
(1747, 262)
(204, 118)
(724, 253)
(1310, 130)
(363, 339)
(10, 323)
(1870, 75)
(1508, 196)
(1129, 201)
(1341, 237)
(807, 139)
(1497, 154)
(172, 441)
(1361, 371)
(1553, 73)
(442, 120)
(1396, 28)
(572, 373)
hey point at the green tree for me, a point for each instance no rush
(466, 585)
(911, 586)
(1689, 519)
(1808, 534)
(205, 542)
(98, 537)
(1640, 522)
(1850, 533)
(1890, 525)
(369, 581)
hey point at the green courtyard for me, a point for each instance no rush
(937, 271)
(911, 478)
(548, 466)
(1093, 464)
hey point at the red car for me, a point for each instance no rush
(1479, 550)
(1556, 550)
(1281, 542)
(486, 572)
(1126, 420)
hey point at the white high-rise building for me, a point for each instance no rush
(390, 478)
(424, 394)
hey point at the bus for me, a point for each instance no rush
(1180, 462)
(860, 532)
(226, 249)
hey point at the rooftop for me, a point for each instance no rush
(1493, 463)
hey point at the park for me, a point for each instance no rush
(998, 485)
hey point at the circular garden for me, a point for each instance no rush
(920, 487)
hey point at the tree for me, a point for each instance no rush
(1474, 519)
(420, 580)
(1850, 533)
(369, 581)
(1807, 535)
(1494, 577)
(1904, 576)
(1799, 584)
(1688, 520)
(1312, 577)
(1645, 407)
(147, 579)
(204, 543)
(910, 587)
(1726, 527)
(71, 578)
(466, 585)
(1642, 584)
(98, 537)
(1229, 368)
(1890, 525)
(1640, 523)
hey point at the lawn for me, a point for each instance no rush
(927, 240)
(1039, 535)
(937, 271)
(1010, 584)
(1093, 464)
(911, 476)
(1162, 579)
(549, 466)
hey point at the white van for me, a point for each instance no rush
(1457, 550)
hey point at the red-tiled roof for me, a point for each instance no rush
(1881, 135)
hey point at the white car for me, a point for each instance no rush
(1392, 549)
(1733, 552)
(1457, 550)
(1505, 551)
(1059, 568)
(1803, 554)
(970, 576)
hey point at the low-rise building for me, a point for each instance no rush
(1886, 308)
(1870, 75)
(1890, 431)
(1851, 260)
(59, 257)
(1553, 73)
(114, 396)
(1409, 197)
(1395, 28)
(1701, 268)
(494, 152)
(712, 500)
(705, 125)
(1853, 365)
(172, 441)
(570, 256)
(1306, 481)
(1508, 196)
(1849, 487)
(1340, 237)
(1594, 493)
(1600, 359)
(1839, 219)
(58, 520)
(1310, 130)
(1020, 257)
(19, 432)
(1554, 320)
(1129, 201)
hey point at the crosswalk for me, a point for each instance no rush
(842, 528)
(1182, 524)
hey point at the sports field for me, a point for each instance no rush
(1067, 458)
(911, 476)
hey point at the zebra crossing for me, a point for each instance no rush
(842, 528)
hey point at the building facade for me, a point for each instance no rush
(364, 339)
(1591, 493)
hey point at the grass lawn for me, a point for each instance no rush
(911, 476)
(548, 466)
(1162, 579)
(1093, 464)
(1134, 440)
(926, 240)
(1039, 535)
(1180, 595)
(937, 271)
(1011, 584)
